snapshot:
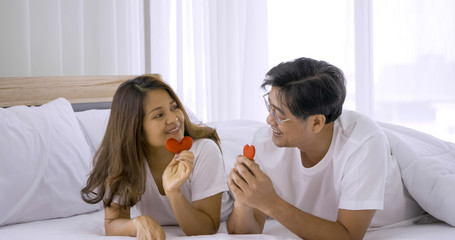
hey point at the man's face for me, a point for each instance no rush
(288, 131)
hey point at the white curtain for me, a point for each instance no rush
(398, 56)
(214, 53)
(322, 30)
(71, 37)
(414, 64)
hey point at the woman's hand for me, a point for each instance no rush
(148, 229)
(177, 171)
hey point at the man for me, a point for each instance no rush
(321, 172)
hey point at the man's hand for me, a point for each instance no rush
(251, 186)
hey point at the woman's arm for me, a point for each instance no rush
(200, 217)
(117, 222)
(196, 218)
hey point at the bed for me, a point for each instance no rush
(46, 153)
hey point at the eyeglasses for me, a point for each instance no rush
(275, 116)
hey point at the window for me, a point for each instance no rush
(409, 46)
(414, 65)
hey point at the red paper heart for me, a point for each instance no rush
(249, 151)
(172, 145)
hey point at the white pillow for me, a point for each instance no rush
(45, 161)
(427, 166)
(93, 124)
(234, 134)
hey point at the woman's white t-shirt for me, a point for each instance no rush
(207, 179)
(358, 172)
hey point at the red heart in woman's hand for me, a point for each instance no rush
(172, 145)
(249, 151)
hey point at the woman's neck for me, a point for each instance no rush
(159, 158)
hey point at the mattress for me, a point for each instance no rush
(91, 226)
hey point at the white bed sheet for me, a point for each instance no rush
(91, 226)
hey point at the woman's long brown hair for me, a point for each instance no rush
(119, 163)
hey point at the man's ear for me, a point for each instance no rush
(318, 122)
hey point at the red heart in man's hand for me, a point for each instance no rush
(172, 145)
(249, 151)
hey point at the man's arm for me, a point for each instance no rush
(253, 188)
(243, 218)
(351, 224)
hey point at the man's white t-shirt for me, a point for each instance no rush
(357, 173)
(207, 179)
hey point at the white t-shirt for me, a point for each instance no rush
(207, 179)
(357, 173)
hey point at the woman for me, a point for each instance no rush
(133, 167)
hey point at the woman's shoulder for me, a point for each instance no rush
(203, 141)
(203, 144)
(205, 151)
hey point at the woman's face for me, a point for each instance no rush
(163, 118)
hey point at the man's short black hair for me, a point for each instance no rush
(309, 87)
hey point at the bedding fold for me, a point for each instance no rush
(427, 166)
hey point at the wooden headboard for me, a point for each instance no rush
(32, 91)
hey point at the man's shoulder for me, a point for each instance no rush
(351, 120)
(350, 115)
(357, 128)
